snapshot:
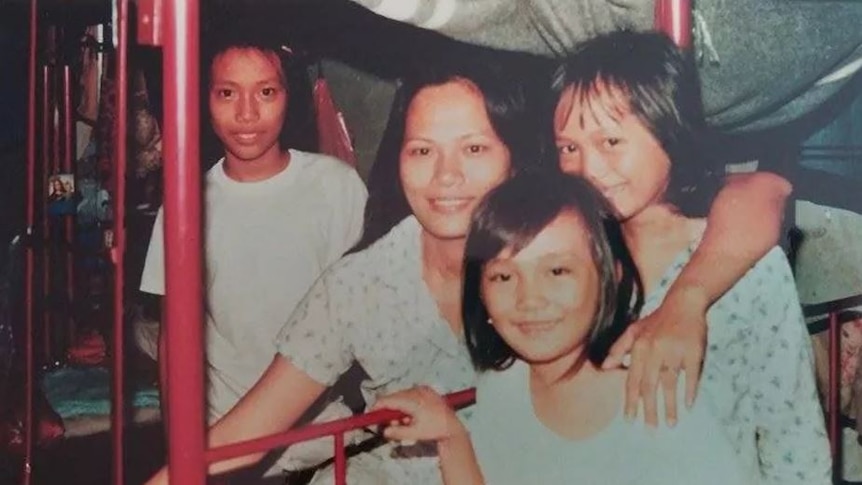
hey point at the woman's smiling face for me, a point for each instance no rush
(450, 157)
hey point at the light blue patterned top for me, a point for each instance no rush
(373, 307)
(758, 374)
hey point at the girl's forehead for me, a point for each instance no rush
(246, 62)
(594, 104)
(567, 234)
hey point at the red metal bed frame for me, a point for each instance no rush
(173, 25)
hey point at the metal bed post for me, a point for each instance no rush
(183, 244)
(68, 166)
(838, 312)
(120, 21)
(833, 396)
(53, 167)
(30, 204)
(673, 17)
(45, 233)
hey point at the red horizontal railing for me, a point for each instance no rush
(335, 428)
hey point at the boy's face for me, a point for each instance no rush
(247, 102)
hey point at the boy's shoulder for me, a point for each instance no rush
(315, 165)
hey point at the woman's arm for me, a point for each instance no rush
(278, 399)
(743, 224)
(431, 419)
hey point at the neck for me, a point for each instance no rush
(656, 225)
(264, 167)
(565, 369)
(654, 237)
(442, 259)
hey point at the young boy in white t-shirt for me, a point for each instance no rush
(275, 218)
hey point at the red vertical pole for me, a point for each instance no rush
(340, 460)
(119, 241)
(31, 192)
(673, 17)
(47, 305)
(69, 222)
(833, 397)
(183, 244)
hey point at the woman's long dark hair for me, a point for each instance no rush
(659, 84)
(512, 110)
(511, 216)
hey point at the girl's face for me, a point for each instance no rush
(248, 102)
(450, 157)
(542, 300)
(599, 138)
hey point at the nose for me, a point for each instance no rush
(594, 167)
(530, 296)
(247, 109)
(448, 168)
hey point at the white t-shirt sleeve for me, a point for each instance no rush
(347, 196)
(318, 336)
(153, 275)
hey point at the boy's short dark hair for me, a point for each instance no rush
(511, 216)
(647, 74)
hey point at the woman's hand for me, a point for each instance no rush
(429, 417)
(670, 340)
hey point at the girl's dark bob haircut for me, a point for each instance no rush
(511, 216)
(644, 73)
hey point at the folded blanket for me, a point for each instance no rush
(76, 392)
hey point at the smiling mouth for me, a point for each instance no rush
(245, 138)
(536, 327)
(450, 204)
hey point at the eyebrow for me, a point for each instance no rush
(484, 134)
(228, 82)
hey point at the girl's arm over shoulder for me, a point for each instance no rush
(743, 224)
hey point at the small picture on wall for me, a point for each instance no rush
(61, 194)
